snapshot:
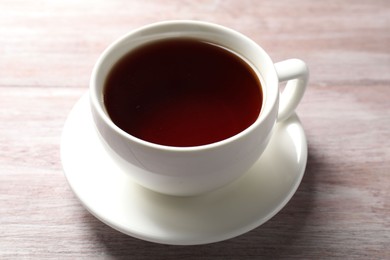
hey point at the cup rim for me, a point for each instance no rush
(97, 103)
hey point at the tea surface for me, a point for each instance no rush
(182, 92)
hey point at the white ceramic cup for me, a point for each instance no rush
(199, 169)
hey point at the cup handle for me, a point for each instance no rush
(296, 73)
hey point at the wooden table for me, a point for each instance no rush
(341, 209)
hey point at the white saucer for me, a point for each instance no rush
(110, 194)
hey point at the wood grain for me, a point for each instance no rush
(341, 210)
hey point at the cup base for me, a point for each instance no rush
(110, 194)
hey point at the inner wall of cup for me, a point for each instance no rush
(242, 46)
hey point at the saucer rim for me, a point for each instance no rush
(236, 231)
